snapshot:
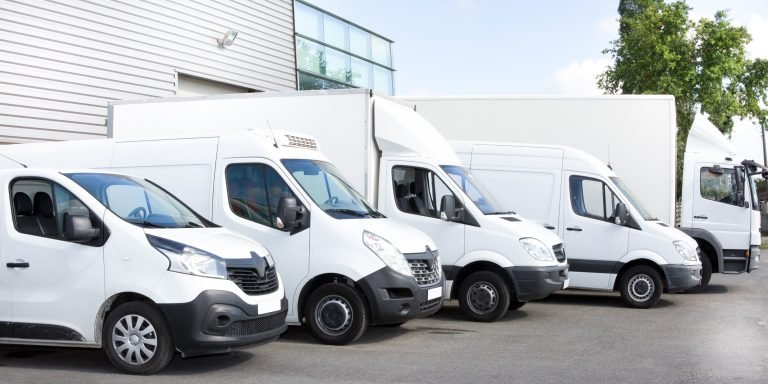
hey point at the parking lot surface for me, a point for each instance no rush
(718, 336)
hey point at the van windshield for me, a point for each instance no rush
(138, 201)
(328, 190)
(632, 199)
(474, 190)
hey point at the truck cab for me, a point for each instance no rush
(719, 204)
(613, 243)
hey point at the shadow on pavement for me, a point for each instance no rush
(373, 335)
(451, 312)
(598, 300)
(94, 360)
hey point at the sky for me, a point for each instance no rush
(513, 47)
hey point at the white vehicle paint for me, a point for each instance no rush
(87, 256)
(611, 238)
(369, 138)
(636, 135)
(719, 202)
(343, 263)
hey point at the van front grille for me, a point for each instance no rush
(559, 252)
(250, 282)
(255, 326)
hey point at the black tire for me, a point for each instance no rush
(484, 296)
(641, 286)
(706, 274)
(337, 314)
(142, 358)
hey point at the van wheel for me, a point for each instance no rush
(483, 296)
(337, 314)
(706, 274)
(137, 339)
(641, 286)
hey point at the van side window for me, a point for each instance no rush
(40, 207)
(419, 191)
(718, 186)
(592, 198)
(254, 190)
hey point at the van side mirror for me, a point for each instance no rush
(448, 208)
(289, 214)
(79, 228)
(622, 216)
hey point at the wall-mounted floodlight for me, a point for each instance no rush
(228, 38)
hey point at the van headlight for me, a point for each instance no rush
(387, 252)
(537, 249)
(686, 251)
(189, 260)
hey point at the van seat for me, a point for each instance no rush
(44, 213)
(25, 221)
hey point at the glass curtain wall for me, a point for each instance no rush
(334, 53)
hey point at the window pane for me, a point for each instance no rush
(246, 189)
(125, 199)
(308, 21)
(276, 188)
(309, 55)
(335, 32)
(382, 80)
(611, 201)
(308, 82)
(359, 42)
(360, 74)
(587, 197)
(336, 64)
(720, 187)
(380, 52)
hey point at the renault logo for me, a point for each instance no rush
(259, 264)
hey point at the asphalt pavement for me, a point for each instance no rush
(718, 336)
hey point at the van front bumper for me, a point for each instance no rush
(533, 283)
(681, 277)
(395, 298)
(217, 321)
(754, 258)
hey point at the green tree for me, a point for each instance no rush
(703, 64)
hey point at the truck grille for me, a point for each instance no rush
(256, 326)
(427, 305)
(251, 283)
(559, 252)
(423, 273)
(301, 142)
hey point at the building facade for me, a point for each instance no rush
(62, 62)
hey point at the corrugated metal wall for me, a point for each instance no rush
(61, 61)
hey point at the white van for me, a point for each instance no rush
(103, 260)
(344, 264)
(613, 242)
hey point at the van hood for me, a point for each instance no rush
(219, 241)
(665, 231)
(405, 238)
(521, 227)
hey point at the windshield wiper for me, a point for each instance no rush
(350, 212)
(502, 213)
(192, 224)
(145, 223)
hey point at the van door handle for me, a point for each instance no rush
(701, 217)
(577, 229)
(18, 264)
(547, 226)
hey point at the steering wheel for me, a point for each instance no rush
(138, 212)
(332, 200)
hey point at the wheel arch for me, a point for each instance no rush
(322, 279)
(641, 261)
(709, 244)
(476, 266)
(113, 302)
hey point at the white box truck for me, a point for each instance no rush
(493, 261)
(103, 260)
(719, 201)
(636, 135)
(344, 265)
(613, 243)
